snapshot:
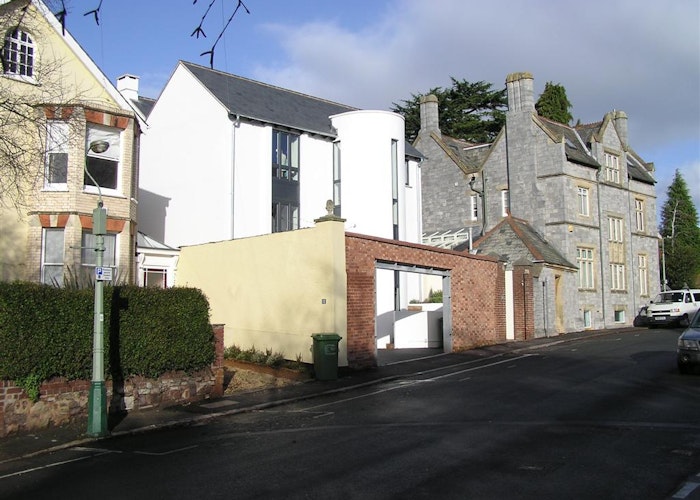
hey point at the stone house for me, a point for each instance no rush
(582, 190)
(68, 104)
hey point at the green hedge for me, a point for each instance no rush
(47, 331)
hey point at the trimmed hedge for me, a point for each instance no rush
(47, 331)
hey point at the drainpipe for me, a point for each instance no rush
(236, 122)
(482, 194)
(600, 239)
(631, 253)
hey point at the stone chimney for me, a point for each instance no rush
(429, 114)
(620, 120)
(128, 86)
(520, 89)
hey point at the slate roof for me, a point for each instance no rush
(145, 241)
(265, 103)
(577, 147)
(144, 105)
(514, 240)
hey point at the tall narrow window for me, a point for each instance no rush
(407, 172)
(285, 155)
(474, 209)
(642, 265)
(615, 230)
(612, 168)
(583, 204)
(395, 186)
(18, 54)
(104, 166)
(639, 214)
(584, 259)
(285, 181)
(336, 179)
(56, 170)
(587, 318)
(52, 256)
(616, 251)
(505, 203)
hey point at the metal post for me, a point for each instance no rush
(97, 399)
(663, 263)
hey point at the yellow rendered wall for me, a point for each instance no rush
(274, 291)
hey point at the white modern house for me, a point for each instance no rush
(225, 157)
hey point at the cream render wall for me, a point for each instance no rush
(274, 291)
(68, 82)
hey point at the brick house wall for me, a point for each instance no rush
(478, 293)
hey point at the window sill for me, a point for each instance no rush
(56, 188)
(21, 78)
(106, 192)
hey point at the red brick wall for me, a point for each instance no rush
(523, 303)
(478, 293)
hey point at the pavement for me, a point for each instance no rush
(393, 364)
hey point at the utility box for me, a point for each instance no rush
(326, 355)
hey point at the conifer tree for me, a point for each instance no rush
(554, 104)
(679, 228)
(474, 112)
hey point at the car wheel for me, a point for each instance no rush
(684, 321)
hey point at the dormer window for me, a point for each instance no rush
(18, 54)
(612, 168)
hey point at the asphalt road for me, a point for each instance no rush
(601, 418)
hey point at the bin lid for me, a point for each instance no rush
(326, 336)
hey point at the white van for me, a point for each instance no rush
(673, 307)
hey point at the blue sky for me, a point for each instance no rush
(638, 56)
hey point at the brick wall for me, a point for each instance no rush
(523, 303)
(64, 401)
(478, 293)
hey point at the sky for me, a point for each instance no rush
(638, 56)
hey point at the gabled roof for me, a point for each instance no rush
(575, 146)
(82, 56)
(265, 103)
(516, 241)
(467, 156)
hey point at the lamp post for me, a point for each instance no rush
(97, 399)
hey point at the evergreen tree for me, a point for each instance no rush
(679, 228)
(554, 104)
(473, 112)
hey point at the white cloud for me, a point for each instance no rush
(640, 56)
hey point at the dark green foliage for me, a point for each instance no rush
(554, 104)
(435, 296)
(473, 112)
(47, 331)
(679, 228)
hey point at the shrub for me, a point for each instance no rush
(47, 331)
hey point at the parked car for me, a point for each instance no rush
(673, 307)
(689, 346)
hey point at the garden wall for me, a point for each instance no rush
(64, 401)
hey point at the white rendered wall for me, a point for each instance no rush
(185, 158)
(365, 142)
